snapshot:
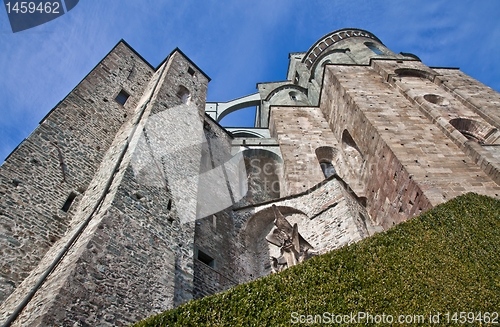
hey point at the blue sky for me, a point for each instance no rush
(237, 43)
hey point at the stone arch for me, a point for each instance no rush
(326, 156)
(348, 142)
(259, 250)
(336, 56)
(352, 155)
(350, 163)
(373, 47)
(436, 99)
(412, 72)
(246, 134)
(283, 96)
(219, 110)
(410, 55)
(184, 94)
(473, 129)
(261, 152)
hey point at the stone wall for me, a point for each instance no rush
(59, 159)
(406, 170)
(328, 217)
(473, 94)
(300, 131)
(135, 247)
(213, 232)
(209, 281)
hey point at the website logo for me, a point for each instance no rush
(27, 14)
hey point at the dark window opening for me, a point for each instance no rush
(473, 130)
(374, 48)
(327, 168)
(191, 71)
(169, 204)
(296, 79)
(184, 94)
(410, 72)
(293, 95)
(68, 202)
(206, 259)
(122, 97)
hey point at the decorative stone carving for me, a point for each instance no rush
(294, 248)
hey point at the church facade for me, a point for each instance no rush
(130, 199)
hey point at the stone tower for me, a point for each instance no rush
(129, 198)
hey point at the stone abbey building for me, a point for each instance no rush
(129, 198)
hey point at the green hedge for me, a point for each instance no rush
(445, 260)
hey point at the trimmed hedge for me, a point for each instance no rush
(445, 260)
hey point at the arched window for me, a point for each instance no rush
(436, 99)
(326, 155)
(472, 129)
(374, 48)
(184, 94)
(327, 168)
(411, 72)
(348, 141)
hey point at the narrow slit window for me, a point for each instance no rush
(68, 202)
(374, 48)
(206, 259)
(122, 97)
(296, 79)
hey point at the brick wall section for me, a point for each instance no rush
(183, 160)
(300, 131)
(477, 96)
(48, 296)
(213, 233)
(82, 127)
(415, 89)
(208, 281)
